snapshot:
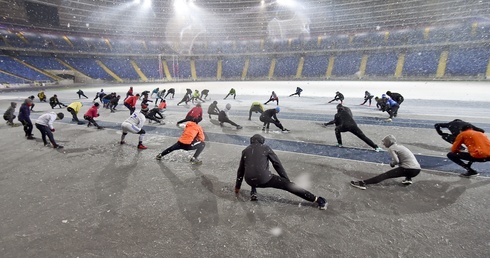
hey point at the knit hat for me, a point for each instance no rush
(278, 109)
(228, 106)
(60, 115)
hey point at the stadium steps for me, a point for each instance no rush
(109, 71)
(245, 68)
(299, 71)
(68, 41)
(219, 72)
(166, 70)
(272, 68)
(16, 76)
(50, 75)
(72, 68)
(138, 71)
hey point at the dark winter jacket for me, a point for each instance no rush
(271, 113)
(25, 112)
(213, 108)
(395, 96)
(254, 163)
(455, 127)
(9, 114)
(343, 118)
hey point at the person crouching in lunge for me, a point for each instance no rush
(254, 167)
(408, 166)
(134, 124)
(191, 139)
(92, 113)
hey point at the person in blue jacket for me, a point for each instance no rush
(392, 107)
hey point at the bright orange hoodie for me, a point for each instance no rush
(477, 143)
(191, 132)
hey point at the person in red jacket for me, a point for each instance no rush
(195, 114)
(191, 139)
(130, 103)
(91, 113)
(478, 146)
(129, 93)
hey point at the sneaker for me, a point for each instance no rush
(47, 144)
(407, 182)
(253, 197)
(339, 145)
(100, 127)
(285, 130)
(178, 125)
(89, 124)
(195, 161)
(142, 147)
(80, 123)
(239, 127)
(378, 149)
(469, 174)
(322, 203)
(250, 119)
(159, 156)
(122, 142)
(58, 147)
(358, 184)
(389, 120)
(30, 138)
(263, 129)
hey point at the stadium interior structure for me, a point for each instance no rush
(65, 41)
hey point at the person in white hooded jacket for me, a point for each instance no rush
(408, 166)
(223, 117)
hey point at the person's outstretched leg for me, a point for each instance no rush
(284, 184)
(357, 132)
(176, 146)
(338, 136)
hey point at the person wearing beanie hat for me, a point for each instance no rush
(195, 114)
(257, 108)
(213, 109)
(338, 96)
(269, 116)
(408, 166)
(254, 168)
(134, 124)
(9, 114)
(25, 118)
(273, 97)
(74, 108)
(92, 113)
(45, 125)
(344, 122)
(192, 138)
(223, 117)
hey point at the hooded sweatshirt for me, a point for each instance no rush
(77, 105)
(9, 114)
(400, 155)
(254, 163)
(343, 118)
(47, 119)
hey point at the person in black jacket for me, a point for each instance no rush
(396, 97)
(344, 122)
(298, 92)
(80, 94)
(338, 96)
(170, 91)
(367, 96)
(53, 101)
(269, 116)
(204, 93)
(213, 109)
(454, 127)
(254, 167)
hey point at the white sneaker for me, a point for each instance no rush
(407, 182)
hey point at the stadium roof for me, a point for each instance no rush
(235, 19)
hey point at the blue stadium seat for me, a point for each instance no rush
(286, 67)
(5, 78)
(347, 64)
(467, 62)
(150, 67)
(232, 67)
(381, 64)
(259, 67)
(315, 66)
(14, 67)
(206, 68)
(43, 62)
(421, 63)
(122, 67)
(89, 67)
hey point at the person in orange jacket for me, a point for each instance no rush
(478, 146)
(130, 103)
(191, 139)
(91, 113)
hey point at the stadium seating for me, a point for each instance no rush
(315, 66)
(421, 63)
(121, 67)
(232, 67)
(89, 67)
(259, 67)
(9, 65)
(206, 68)
(43, 62)
(381, 64)
(286, 67)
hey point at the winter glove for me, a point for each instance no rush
(52, 130)
(237, 190)
(392, 164)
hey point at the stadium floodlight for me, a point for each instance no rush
(146, 3)
(136, 1)
(289, 3)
